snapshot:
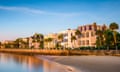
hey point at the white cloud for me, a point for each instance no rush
(22, 9)
(35, 11)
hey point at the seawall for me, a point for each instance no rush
(62, 52)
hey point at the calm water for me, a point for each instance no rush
(23, 63)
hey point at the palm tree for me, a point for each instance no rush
(108, 38)
(95, 26)
(114, 26)
(78, 34)
(99, 34)
(57, 45)
(18, 42)
(38, 38)
(48, 40)
(0, 44)
(118, 39)
(60, 37)
(73, 38)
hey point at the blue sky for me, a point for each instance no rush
(22, 18)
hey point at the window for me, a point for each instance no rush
(87, 34)
(87, 42)
(90, 27)
(85, 28)
(71, 34)
(83, 42)
(79, 43)
(92, 34)
(83, 34)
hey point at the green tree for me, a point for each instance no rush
(0, 44)
(18, 42)
(48, 41)
(99, 41)
(95, 26)
(78, 34)
(118, 39)
(60, 37)
(38, 38)
(114, 26)
(57, 45)
(73, 38)
(108, 38)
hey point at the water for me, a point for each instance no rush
(24, 63)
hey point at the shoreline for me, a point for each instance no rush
(87, 63)
(51, 59)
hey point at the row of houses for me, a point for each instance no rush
(87, 37)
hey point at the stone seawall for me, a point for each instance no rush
(36, 51)
(62, 52)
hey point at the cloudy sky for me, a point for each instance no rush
(22, 18)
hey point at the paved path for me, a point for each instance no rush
(89, 63)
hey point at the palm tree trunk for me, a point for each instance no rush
(108, 48)
(47, 46)
(74, 44)
(114, 35)
(116, 49)
(99, 43)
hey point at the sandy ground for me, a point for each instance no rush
(87, 63)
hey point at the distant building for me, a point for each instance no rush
(88, 37)
(67, 34)
(7, 44)
(51, 44)
(36, 41)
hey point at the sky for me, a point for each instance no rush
(23, 18)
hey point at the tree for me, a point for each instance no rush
(0, 44)
(78, 34)
(95, 26)
(108, 38)
(99, 34)
(118, 39)
(18, 42)
(48, 40)
(57, 45)
(60, 37)
(38, 38)
(114, 26)
(73, 38)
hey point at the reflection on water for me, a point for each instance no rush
(23, 63)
